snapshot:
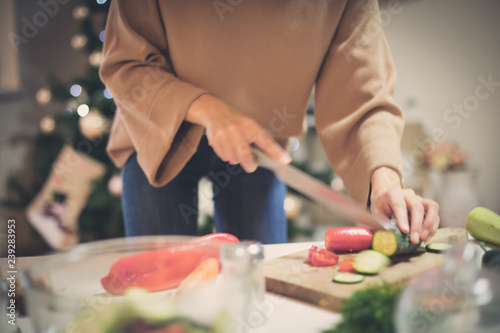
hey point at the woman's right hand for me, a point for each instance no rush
(231, 133)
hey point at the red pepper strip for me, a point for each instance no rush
(156, 270)
(205, 271)
(162, 269)
(319, 257)
(218, 237)
(348, 239)
(347, 267)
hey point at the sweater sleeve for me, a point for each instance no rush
(357, 120)
(151, 100)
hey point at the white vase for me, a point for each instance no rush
(458, 195)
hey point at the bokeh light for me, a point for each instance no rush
(75, 90)
(107, 94)
(82, 110)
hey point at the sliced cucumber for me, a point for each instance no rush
(393, 242)
(370, 262)
(348, 277)
(438, 247)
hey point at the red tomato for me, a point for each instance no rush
(319, 257)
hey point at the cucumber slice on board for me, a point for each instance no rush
(370, 262)
(438, 247)
(342, 277)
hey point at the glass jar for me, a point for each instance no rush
(459, 194)
(458, 296)
(242, 265)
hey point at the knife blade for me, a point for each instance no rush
(322, 193)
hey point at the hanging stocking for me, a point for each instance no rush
(54, 211)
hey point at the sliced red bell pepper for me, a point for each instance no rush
(161, 269)
(347, 267)
(217, 237)
(207, 270)
(319, 257)
(348, 239)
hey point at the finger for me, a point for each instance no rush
(431, 221)
(399, 209)
(246, 157)
(241, 148)
(223, 150)
(217, 148)
(266, 142)
(233, 140)
(417, 215)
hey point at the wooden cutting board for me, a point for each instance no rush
(290, 276)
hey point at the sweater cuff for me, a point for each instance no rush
(170, 141)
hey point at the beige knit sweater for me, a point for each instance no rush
(263, 57)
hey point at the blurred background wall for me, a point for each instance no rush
(441, 50)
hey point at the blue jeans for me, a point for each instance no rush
(249, 206)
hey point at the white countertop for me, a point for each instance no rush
(280, 314)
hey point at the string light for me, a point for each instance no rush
(294, 145)
(82, 110)
(43, 96)
(78, 41)
(101, 35)
(292, 206)
(80, 12)
(115, 185)
(95, 58)
(47, 124)
(100, 2)
(75, 90)
(93, 125)
(107, 94)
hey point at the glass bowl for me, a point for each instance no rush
(97, 287)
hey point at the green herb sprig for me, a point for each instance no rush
(369, 310)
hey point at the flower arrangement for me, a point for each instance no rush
(444, 156)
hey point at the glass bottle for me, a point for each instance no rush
(458, 296)
(242, 271)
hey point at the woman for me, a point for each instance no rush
(197, 83)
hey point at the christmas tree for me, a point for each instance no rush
(82, 113)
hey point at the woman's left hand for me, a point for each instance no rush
(389, 199)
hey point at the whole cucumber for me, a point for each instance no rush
(393, 242)
(484, 224)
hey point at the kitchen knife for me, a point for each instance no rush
(323, 194)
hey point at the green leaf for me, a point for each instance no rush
(369, 310)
